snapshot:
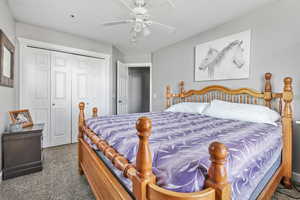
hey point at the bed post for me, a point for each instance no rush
(81, 123)
(144, 174)
(168, 96)
(181, 87)
(181, 91)
(287, 124)
(268, 90)
(95, 112)
(217, 174)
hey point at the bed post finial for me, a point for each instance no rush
(168, 96)
(95, 112)
(181, 87)
(268, 90)
(81, 123)
(287, 121)
(288, 84)
(143, 159)
(181, 91)
(217, 174)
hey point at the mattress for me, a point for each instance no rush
(125, 182)
(179, 145)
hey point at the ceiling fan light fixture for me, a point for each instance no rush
(133, 39)
(146, 31)
(138, 27)
(140, 20)
(140, 3)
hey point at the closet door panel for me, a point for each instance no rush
(35, 88)
(61, 99)
(98, 86)
(80, 79)
(89, 86)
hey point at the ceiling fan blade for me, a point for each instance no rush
(112, 23)
(125, 3)
(171, 28)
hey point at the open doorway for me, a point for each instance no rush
(133, 88)
(138, 89)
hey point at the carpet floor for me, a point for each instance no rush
(60, 180)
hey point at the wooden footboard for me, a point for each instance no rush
(106, 186)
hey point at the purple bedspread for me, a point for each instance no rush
(179, 145)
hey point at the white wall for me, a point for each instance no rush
(137, 58)
(275, 48)
(7, 100)
(65, 39)
(7, 95)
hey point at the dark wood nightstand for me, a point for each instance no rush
(22, 151)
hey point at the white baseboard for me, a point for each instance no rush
(296, 177)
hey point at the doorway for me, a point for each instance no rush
(134, 88)
(139, 89)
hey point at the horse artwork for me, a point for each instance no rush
(225, 58)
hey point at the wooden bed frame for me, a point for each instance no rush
(107, 187)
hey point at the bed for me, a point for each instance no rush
(186, 155)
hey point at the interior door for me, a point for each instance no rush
(89, 85)
(122, 88)
(35, 88)
(60, 99)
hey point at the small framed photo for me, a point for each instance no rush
(21, 117)
(7, 54)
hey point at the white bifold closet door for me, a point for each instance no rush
(53, 84)
(88, 86)
(35, 85)
(61, 68)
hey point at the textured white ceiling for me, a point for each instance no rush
(189, 17)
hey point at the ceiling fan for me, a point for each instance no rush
(140, 19)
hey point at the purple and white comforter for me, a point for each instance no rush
(179, 145)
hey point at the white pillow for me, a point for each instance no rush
(243, 112)
(188, 107)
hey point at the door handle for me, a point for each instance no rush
(119, 101)
(53, 104)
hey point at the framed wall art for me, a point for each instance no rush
(7, 54)
(225, 58)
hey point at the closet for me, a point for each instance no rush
(52, 83)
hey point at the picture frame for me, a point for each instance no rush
(226, 58)
(22, 117)
(7, 55)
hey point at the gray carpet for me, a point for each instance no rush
(59, 180)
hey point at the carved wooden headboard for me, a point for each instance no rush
(242, 95)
